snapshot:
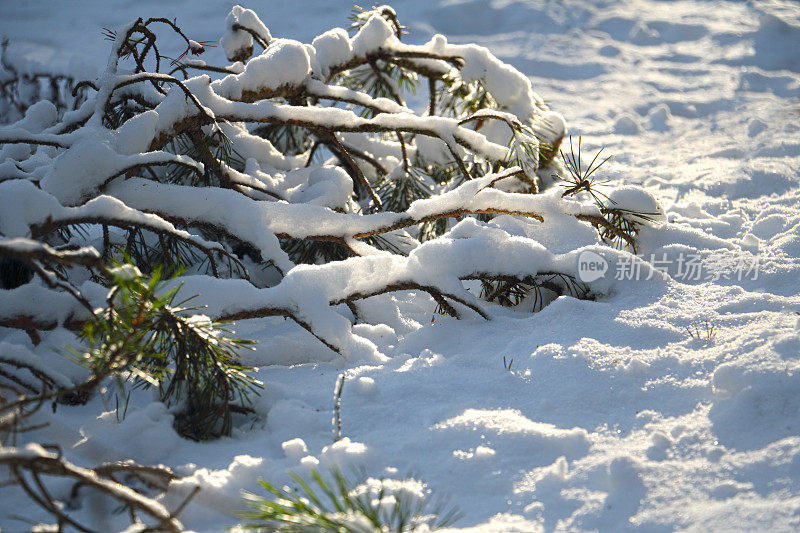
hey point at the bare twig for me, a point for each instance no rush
(337, 408)
(36, 461)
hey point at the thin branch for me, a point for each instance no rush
(337, 93)
(340, 120)
(366, 157)
(393, 56)
(36, 460)
(453, 213)
(404, 152)
(600, 221)
(158, 77)
(311, 153)
(38, 231)
(256, 37)
(432, 96)
(329, 137)
(458, 161)
(264, 312)
(19, 136)
(413, 285)
(386, 83)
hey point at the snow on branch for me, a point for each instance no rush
(301, 153)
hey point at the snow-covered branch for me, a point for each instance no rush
(298, 153)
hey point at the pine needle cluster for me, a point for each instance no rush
(336, 503)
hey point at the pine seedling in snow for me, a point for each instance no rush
(626, 208)
(707, 332)
(142, 335)
(336, 503)
(191, 359)
(582, 179)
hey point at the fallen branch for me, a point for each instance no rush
(36, 462)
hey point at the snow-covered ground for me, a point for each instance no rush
(612, 416)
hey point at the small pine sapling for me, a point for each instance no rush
(335, 503)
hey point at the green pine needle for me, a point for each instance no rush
(336, 503)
